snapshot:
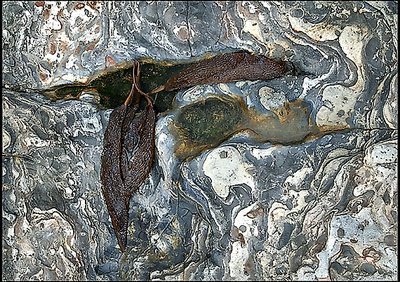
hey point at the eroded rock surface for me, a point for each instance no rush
(323, 207)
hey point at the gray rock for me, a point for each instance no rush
(315, 208)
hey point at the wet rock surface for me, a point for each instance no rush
(323, 206)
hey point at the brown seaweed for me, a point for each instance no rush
(128, 154)
(228, 67)
(129, 138)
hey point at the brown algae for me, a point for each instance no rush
(165, 78)
(204, 124)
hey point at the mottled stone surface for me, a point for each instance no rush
(323, 208)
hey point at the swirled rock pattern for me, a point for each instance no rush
(321, 208)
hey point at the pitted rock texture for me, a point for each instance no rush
(322, 208)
